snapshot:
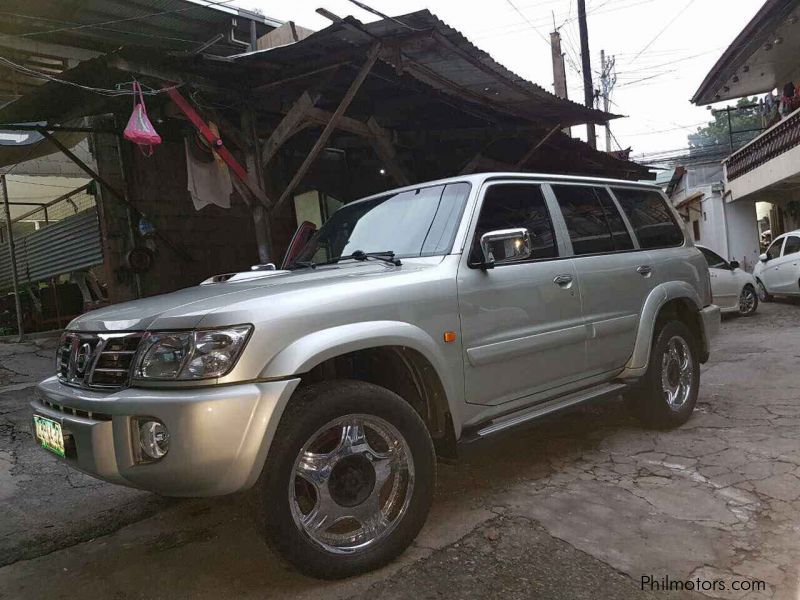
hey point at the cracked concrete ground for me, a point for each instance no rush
(580, 507)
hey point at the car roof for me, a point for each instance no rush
(479, 178)
(795, 232)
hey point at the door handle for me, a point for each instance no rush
(562, 280)
(644, 270)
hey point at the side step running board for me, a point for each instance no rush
(546, 408)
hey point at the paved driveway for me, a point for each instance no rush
(583, 506)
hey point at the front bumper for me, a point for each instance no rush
(219, 436)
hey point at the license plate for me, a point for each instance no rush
(49, 434)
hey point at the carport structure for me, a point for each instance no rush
(350, 110)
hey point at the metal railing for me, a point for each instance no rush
(778, 139)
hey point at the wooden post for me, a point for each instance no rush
(254, 169)
(382, 144)
(372, 56)
(12, 255)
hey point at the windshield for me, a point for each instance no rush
(420, 222)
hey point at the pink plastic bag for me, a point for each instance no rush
(139, 129)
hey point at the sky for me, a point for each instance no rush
(663, 49)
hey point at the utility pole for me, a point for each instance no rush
(12, 255)
(586, 67)
(559, 70)
(608, 79)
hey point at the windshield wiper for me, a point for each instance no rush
(387, 256)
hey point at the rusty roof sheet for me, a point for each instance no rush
(425, 47)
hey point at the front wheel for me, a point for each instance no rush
(667, 394)
(763, 294)
(748, 301)
(349, 480)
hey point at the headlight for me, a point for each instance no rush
(187, 355)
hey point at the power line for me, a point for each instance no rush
(667, 26)
(102, 91)
(532, 26)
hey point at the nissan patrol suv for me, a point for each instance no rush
(411, 323)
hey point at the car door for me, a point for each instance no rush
(521, 322)
(770, 272)
(724, 284)
(787, 271)
(614, 274)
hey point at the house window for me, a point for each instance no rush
(696, 230)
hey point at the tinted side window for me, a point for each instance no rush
(509, 206)
(714, 260)
(774, 251)
(593, 222)
(792, 245)
(650, 217)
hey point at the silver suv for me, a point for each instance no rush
(412, 323)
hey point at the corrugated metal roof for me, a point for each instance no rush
(438, 55)
(718, 85)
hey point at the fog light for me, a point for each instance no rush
(153, 439)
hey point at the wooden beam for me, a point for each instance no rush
(372, 56)
(268, 86)
(323, 117)
(529, 154)
(472, 164)
(384, 148)
(287, 127)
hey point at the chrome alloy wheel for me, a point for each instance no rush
(747, 301)
(677, 372)
(351, 483)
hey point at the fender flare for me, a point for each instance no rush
(658, 297)
(306, 352)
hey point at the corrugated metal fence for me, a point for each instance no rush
(71, 244)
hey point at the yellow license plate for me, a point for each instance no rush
(49, 434)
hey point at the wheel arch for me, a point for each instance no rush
(674, 299)
(398, 356)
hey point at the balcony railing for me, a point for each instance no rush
(776, 140)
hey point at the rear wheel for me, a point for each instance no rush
(349, 480)
(667, 394)
(748, 301)
(763, 294)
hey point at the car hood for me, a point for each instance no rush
(186, 308)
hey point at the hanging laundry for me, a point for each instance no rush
(208, 181)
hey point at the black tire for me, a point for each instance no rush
(310, 409)
(763, 294)
(748, 301)
(648, 400)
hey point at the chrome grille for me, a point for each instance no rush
(97, 360)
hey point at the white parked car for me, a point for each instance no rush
(734, 289)
(779, 269)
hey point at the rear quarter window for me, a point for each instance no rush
(650, 217)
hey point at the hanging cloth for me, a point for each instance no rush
(139, 129)
(208, 182)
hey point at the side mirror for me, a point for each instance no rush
(734, 264)
(763, 258)
(505, 245)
